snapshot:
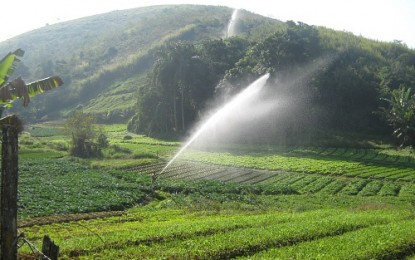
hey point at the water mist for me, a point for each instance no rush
(268, 110)
(243, 100)
(231, 30)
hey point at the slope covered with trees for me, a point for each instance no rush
(351, 78)
(161, 73)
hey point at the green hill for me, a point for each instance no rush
(103, 58)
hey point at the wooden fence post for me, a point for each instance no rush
(50, 249)
(9, 179)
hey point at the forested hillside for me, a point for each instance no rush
(325, 80)
(161, 67)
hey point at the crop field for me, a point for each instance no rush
(368, 166)
(306, 171)
(181, 234)
(262, 203)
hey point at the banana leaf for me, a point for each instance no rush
(19, 89)
(8, 65)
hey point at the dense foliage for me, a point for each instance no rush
(336, 83)
(87, 140)
(400, 113)
(183, 79)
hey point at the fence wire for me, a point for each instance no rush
(21, 237)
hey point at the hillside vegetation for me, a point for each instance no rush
(102, 58)
(162, 72)
(321, 79)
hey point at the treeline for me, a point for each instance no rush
(334, 81)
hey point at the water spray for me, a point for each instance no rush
(240, 99)
(232, 24)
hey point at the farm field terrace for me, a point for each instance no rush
(276, 202)
(153, 232)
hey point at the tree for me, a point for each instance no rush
(281, 52)
(176, 90)
(11, 126)
(400, 114)
(86, 140)
(348, 92)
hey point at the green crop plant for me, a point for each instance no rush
(74, 188)
(177, 234)
(386, 241)
(390, 189)
(372, 188)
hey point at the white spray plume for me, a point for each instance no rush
(240, 101)
(231, 30)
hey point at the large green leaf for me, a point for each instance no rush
(8, 65)
(40, 86)
(19, 89)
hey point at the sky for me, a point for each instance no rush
(383, 20)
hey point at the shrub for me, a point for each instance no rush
(87, 142)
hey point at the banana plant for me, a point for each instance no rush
(401, 115)
(10, 127)
(17, 88)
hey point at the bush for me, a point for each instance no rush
(87, 142)
(102, 140)
(60, 146)
(85, 149)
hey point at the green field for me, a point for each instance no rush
(251, 202)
